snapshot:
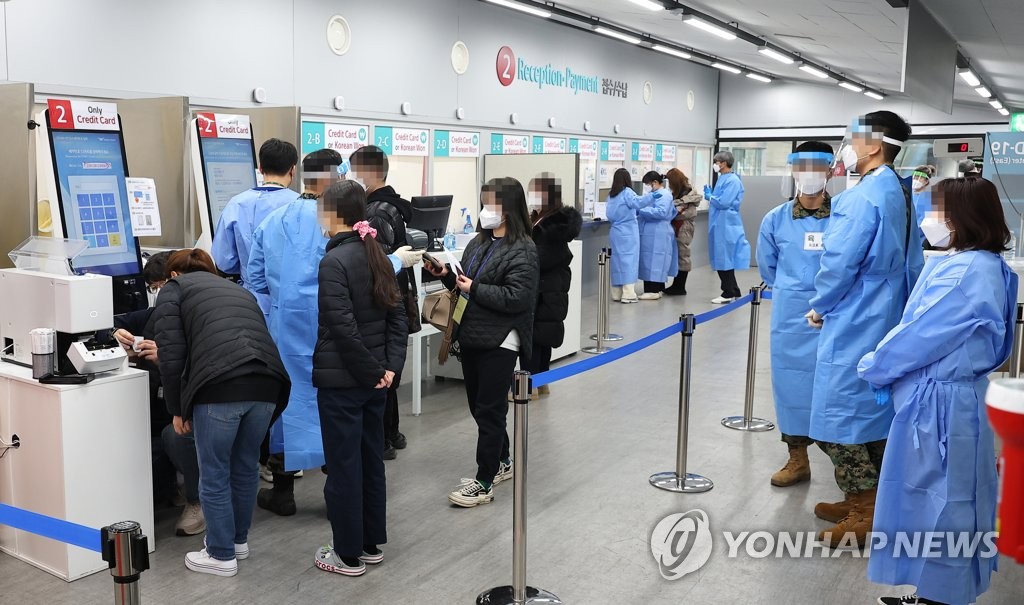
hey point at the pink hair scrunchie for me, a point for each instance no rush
(363, 228)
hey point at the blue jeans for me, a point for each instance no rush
(228, 437)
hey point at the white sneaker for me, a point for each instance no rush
(191, 522)
(722, 300)
(650, 296)
(241, 550)
(504, 474)
(629, 301)
(202, 562)
(471, 494)
(327, 560)
(266, 475)
(616, 293)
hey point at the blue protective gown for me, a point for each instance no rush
(922, 204)
(865, 277)
(939, 472)
(727, 243)
(286, 251)
(624, 236)
(232, 239)
(659, 253)
(788, 256)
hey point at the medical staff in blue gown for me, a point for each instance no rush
(920, 180)
(659, 254)
(789, 248)
(727, 242)
(232, 239)
(939, 472)
(872, 258)
(624, 236)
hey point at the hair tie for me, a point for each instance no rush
(363, 228)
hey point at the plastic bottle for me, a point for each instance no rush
(468, 227)
(449, 240)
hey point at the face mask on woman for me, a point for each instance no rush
(534, 201)
(647, 189)
(489, 219)
(936, 232)
(717, 167)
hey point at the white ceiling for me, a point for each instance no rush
(862, 39)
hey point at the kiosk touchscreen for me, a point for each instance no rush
(89, 167)
(224, 159)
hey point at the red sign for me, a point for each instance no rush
(207, 124)
(60, 114)
(506, 66)
(65, 114)
(223, 126)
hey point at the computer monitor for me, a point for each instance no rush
(430, 215)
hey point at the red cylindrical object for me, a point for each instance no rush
(1005, 399)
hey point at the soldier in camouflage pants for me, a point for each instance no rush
(857, 465)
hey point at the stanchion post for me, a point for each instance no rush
(126, 552)
(519, 593)
(602, 305)
(1018, 343)
(747, 422)
(679, 480)
(605, 288)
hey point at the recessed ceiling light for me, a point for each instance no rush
(981, 90)
(759, 78)
(648, 4)
(728, 68)
(814, 71)
(851, 86)
(668, 50)
(969, 77)
(874, 95)
(615, 34)
(710, 28)
(774, 54)
(522, 7)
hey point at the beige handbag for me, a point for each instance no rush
(439, 311)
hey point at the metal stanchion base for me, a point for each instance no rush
(756, 425)
(608, 338)
(596, 350)
(672, 482)
(504, 595)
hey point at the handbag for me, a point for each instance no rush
(439, 311)
(412, 309)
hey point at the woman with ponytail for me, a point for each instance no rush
(360, 347)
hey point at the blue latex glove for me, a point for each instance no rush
(883, 396)
(707, 192)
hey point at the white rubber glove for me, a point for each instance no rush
(814, 319)
(408, 256)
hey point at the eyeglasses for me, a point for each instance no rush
(154, 287)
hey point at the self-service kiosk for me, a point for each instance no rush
(223, 164)
(85, 145)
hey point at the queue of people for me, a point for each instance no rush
(882, 361)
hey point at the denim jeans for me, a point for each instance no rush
(181, 449)
(228, 437)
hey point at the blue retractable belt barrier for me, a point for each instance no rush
(573, 369)
(48, 527)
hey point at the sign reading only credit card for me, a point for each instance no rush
(343, 138)
(223, 126)
(453, 144)
(66, 114)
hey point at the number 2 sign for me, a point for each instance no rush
(60, 114)
(506, 66)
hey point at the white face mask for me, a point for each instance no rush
(809, 183)
(489, 219)
(534, 200)
(717, 168)
(936, 232)
(920, 184)
(850, 158)
(647, 189)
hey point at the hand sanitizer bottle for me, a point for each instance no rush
(468, 227)
(449, 240)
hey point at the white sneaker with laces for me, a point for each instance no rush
(191, 522)
(722, 300)
(202, 562)
(471, 494)
(650, 296)
(504, 474)
(241, 550)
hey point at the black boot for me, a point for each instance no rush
(678, 287)
(279, 499)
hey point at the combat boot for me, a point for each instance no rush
(833, 512)
(858, 522)
(797, 470)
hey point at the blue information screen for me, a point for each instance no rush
(229, 168)
(94, 201)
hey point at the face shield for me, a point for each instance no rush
(856, 146)
(921, 181)
(807, 173)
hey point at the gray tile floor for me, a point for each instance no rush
(593, 444)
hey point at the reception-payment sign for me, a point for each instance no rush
(509, 144)
(402, 141)
(453, 144)
(343, 138)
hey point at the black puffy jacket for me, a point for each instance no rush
(552, 236)
(388, 213)
(207, 330)
(503, 296)
(357, 340)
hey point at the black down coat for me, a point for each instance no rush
(503, 296)
(356, 339)
(552, 236)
